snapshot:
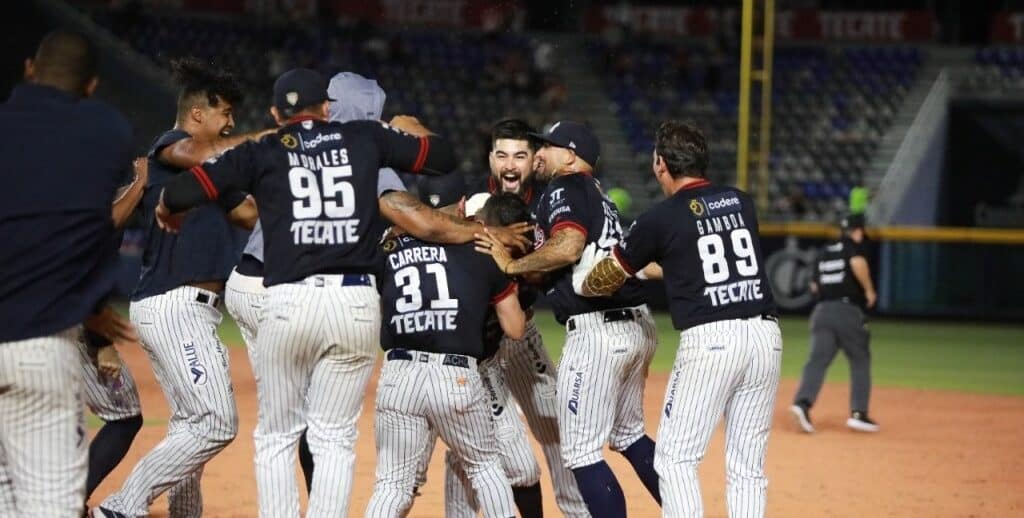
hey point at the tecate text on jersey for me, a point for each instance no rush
(739, 291)
(313, 232)
(426, 320)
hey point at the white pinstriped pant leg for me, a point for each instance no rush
(191, 365)
(514, 450)
(246, 308)
(532, 377)
(596, 363)
(748, 421)
(315, 350)
(629, 416)
(401, 428)
(109, 400)
(42, 438)
(718, 370)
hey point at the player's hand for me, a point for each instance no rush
(487, 243)
(870, 298)
(410, 125)
(165, 220)
(108, 362)
(112, 326)
(513, 236)
(588, 259)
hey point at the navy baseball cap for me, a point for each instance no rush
(852, 221)
(575, 136)
(441, 191)
(299, 88)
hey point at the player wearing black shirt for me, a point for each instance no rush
(705, 239)
(610, 340)
(842, 281)
(435, 300)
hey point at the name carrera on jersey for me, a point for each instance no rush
(420, 254)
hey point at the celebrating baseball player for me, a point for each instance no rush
(610, 340)
(705, 239)
(317, 186)
(842, 281)
(435, 299)
(58, 269)
(174, 304)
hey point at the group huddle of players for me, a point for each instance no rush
(343, 261)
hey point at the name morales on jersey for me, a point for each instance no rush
(720, 224)
(425, 320)
(420, 254)
(313, 232)
(733, 292)
(327, 158)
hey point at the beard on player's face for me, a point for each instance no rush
(511, 164)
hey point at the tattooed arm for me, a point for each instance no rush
(423, 222)
(563, 249)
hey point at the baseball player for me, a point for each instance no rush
(316, 183)
(842, 281)
(435, 300)
(522, 368)
(705, 239)
(108, 387)
(610, 340)
(355, 97)
(58, 269)
(174, 304)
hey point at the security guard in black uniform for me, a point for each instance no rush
(842, 281)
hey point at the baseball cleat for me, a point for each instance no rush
(859, 421)
(802, 417)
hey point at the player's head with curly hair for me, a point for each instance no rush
(207, 96)
(64, 60)
(681, 149)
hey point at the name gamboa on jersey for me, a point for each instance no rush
(316, 185)
(706, 239)
(435, 297)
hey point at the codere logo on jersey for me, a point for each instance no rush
(723, 203)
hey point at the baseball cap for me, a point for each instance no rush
(298, 88)
(441, 191)
(575, 136)
(851, 221)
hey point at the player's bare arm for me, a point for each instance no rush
(428, 224)
(862, 272)
(111, 325)
(563, 249)
(511, 315)
(129, 196)
(245, 214)
(191, 152)
(410, 125)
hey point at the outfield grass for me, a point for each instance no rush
(971, 357)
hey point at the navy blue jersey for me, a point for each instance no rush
(435, 298)
(576, 201)
(705, 237)
(207, 247)
(834, 275)
(316, 185)
(63, 159)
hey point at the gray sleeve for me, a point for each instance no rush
(388, 180)
(255, 245)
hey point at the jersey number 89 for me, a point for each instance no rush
(336, 200)
(712, 254)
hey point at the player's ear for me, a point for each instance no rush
(462, 207)
(323, 110)
(196, 113)
(30, 69)
(277, 116)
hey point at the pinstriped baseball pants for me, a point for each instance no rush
(110, 400)
(728, 368)
(42, 437)
(315, 350)
(189, 361)
(415, 396)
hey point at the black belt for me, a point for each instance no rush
(249, 265)
(612, 315)
(766, 316)
(453, 360)
(205, 298)
(359, 279)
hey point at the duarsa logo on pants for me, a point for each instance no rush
(195, 368)
(574, 399)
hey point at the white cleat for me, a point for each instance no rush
(859, 421)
